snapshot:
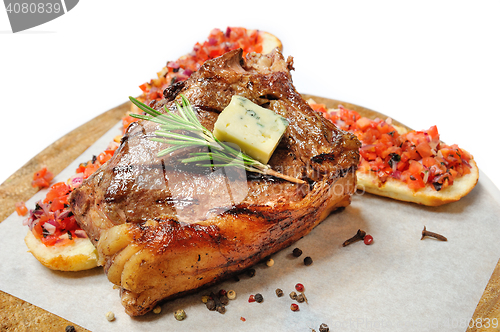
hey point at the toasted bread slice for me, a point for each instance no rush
(81, 255)
(270, 42)
(396, 189)
(393, 188)
(427, 196)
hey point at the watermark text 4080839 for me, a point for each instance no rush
(26, 14)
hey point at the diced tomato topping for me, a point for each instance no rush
(126, 121)
(90, 169)
(42, 178)
(21, 209)
(416, 157)
(217, 43)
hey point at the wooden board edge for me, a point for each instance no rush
(56, 157)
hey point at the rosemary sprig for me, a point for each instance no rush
(221, 153)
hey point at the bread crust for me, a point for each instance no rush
(81, 255)
(396, 189)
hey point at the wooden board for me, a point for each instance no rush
(18, 315)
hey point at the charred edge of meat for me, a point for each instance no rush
(319, 159)
(245, 212)
(173, 90)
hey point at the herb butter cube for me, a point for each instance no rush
(255, 129)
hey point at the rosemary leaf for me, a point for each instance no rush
(221, 154)
(145, 107)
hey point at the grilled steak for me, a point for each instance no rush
(163, 228)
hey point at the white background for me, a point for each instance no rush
(423, 63)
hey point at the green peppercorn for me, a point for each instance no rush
(308, 261)
(300, 298)
(296, 252)
(293, 295)
(279, 292)
(259, 298)
(180, 314)
(324, 328)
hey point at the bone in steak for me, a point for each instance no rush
(163, 229)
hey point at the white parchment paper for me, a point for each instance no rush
(399, 283)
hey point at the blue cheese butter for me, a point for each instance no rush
(255, 129)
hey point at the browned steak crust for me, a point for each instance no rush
(163, 229)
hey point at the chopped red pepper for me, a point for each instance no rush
(417, 158)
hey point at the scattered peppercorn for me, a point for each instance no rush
(157, 309)
(294, 307)
(308, 261)
(231, 294)
(70, 328)
(210, 305)
(299, 287)
(279, 292)
(293, 295)
(270, 262)
(220, 302)
(251, 272)
(259, 298)
(180, 314)
(368, 239)
(242, 319)
(296, 252)
(251, 298)
(324, 328)
(205, 298)
(224, 300)
(300, 298)
(222, 292)
(110, 316)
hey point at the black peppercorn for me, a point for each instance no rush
(296, 252)
(70, 328)
(308, 260)
(251, 272)
(324, 328)
(279, 292)
(210, 304)
(259, 298)
(224, 299)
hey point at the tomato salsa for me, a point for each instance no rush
(417, 158)
(51, 221)
(217, 43)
